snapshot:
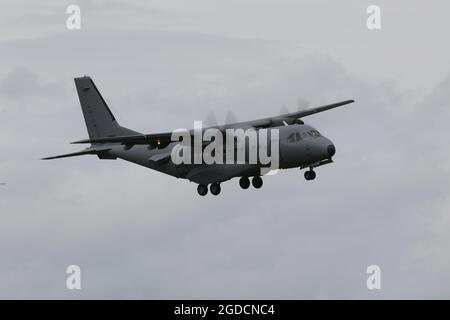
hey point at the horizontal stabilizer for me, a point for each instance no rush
(79, 153)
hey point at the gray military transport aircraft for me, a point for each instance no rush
(300, 145)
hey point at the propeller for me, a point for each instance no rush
(210, 119)
(230, 117)
(302, 104)
(283, 110)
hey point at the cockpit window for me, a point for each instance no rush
(298, 136)
(315, 133)
(310, 133)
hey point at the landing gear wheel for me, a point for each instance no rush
(244, 182)
(202, 189)
(215, 188)
(310, 175)
(257, 182)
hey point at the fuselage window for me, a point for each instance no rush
(297, 136)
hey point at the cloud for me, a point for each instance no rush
(137, 233)
(21, 83)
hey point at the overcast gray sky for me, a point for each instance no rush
(137, 233)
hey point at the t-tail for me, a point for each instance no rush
(100, 121)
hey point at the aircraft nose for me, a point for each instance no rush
(331, 149)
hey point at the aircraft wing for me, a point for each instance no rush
(163, 139)
(288, 118)
(308, 112)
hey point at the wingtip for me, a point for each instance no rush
(347, 102)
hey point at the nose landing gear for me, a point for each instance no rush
(310, 175)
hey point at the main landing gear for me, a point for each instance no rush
(310, 174)
(202, 189)
(215, 189)
(257, 182)
(244, 182)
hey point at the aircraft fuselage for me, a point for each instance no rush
(299, 146)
